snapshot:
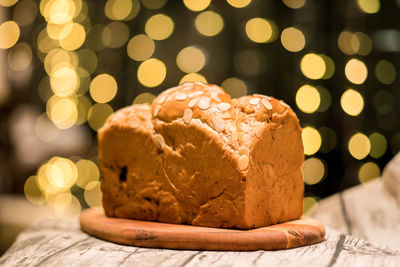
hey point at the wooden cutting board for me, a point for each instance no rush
(304, 231)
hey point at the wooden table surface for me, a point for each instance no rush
(62, 243)
(366, 212)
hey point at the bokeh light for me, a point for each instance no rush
(115, 34)
(154, 4)
(74, 39)
(308, 98)
(98, 114)
(293, 39)
(20, 57)
(313, 66)
(62, 111)
(159, 27)
(311, 140)
(64, 81)
(25, 12)
(93, 194)
(239, 3)
(190, 59)
(196, 5)
(352, 102)
(7, 3)
(32, 191)
(144, 98)
(309, 202)
(209, 23)
(385, 72)
(356, 71)
(87, 60)
(121, 9)
(87, 172)
(193, 77)
(103, 88)
(140, 47)
(261, 30)
(368, 171)
(9, 32)
(313, 171)
(151, 72)
(369, 6)
(378, 145)
(326, 99)
(295, 4)
(359, 146)
(234, 87)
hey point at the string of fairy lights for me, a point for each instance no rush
(82, 60)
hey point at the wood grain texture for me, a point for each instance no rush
(62, 243)
(369, 211)
(304, 231)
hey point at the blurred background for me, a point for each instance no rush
(66, 65)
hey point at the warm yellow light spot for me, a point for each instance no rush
(330, 67)
(154, 4)
(309, 202)
(87, 172)
(359, 146)
(25, 12)
(197, 5)
(235, 87)
(294, 3)
(140, 47)
(87, 60)
(59, 31)
(45, 43)
(313, 66)
(45, 130)
(313, 171)
(369, 6)
(311, 140)
(151, 72)
(115, 34)
(293, 39)
(308, 98)
(9, 32)
(209, 23)
(144, 98)
(74, 39)
(261, 30)
(356, 71)
(118, 9)
(239, 3)
(378, 145)
(190, 59)
(98, 115)
(59, 11)
(159, 27)
(365, 43)
(66, 205)
(103, 88)
(63, 173)
(62, 112)
(64, 81)
(93, 194)
(352, 102)
(326, 99)
(368, 171)
(83, 106)
(32, 192)
(346, 43)
(44, 180)
(7, 3)
(385, 72)
(20, 57)
(193, 77)
(59, 58)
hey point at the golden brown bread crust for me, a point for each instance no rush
(196, 156)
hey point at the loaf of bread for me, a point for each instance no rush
(196, 156)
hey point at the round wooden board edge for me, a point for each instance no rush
(302, 232)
